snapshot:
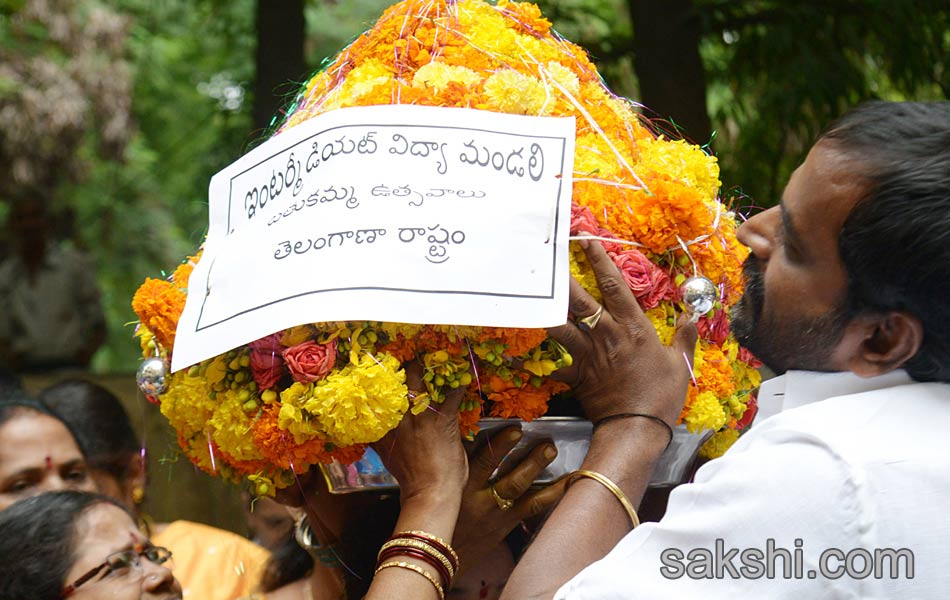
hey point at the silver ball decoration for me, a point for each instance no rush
(699, 294)
(151, 377)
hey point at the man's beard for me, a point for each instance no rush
(784, 342)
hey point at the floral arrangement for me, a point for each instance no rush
(322, 391)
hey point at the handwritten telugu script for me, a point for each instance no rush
(388, 213)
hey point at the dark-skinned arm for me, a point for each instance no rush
(620, 366)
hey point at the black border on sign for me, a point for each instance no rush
(199, 327)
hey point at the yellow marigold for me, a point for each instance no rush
(512, 92)
(564, 77)
(292, 417)
(746, 377)
(187, 404)
(437, 75)
(683, 162)
(230, 425)
(360, 403)
(583, 272)
(717, 445)
(146, 340)
(705, 413)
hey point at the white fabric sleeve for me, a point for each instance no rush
(714, 540)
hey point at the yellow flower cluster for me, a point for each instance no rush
(357, 404)
(260, 412)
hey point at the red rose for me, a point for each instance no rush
(715, 329)
(749, 358)
(310, 361)
(648, 283)
(751, 407)
(267, 344)
(267, 364)
(267, 368)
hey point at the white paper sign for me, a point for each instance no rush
(386, 213)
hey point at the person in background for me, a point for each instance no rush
(440, 496)
(269, 522)
(37, 451)
(52, 317)
(81, 546)
(211, 563)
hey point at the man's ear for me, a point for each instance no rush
(875, 344)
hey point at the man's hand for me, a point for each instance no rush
(619, 365)
(482, 523)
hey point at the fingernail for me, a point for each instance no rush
(514, 435)
(550, 452)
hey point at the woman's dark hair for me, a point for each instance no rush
(287, 563)
(99, 423)
(38, 543)
(895, 243)
(14, 401)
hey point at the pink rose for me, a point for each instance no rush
(267, 368)
(310, 361)
(582, 220)
(648, 283)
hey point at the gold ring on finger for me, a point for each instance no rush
(503, 503)
(588, 323)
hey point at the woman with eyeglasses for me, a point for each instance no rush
(81, 546)
(38, 452)
(213, 564)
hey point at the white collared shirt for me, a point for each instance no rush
(835, 469)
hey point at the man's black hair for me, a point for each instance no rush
(895, 243)
(38, 543)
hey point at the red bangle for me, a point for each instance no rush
(405, 551)
(433, 541)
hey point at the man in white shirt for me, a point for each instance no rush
(839, 488)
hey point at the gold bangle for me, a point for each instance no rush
(610, 485)
(434, 538)
(417, 569)
(422, 547)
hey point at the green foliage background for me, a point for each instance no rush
(776, 71)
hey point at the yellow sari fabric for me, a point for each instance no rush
(211, 563)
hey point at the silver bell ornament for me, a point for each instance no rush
(699, 295)
(151, 377)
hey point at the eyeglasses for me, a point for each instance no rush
(123, 559)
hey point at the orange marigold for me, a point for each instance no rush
(527, 403)
(159, 305)
(278, 445)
